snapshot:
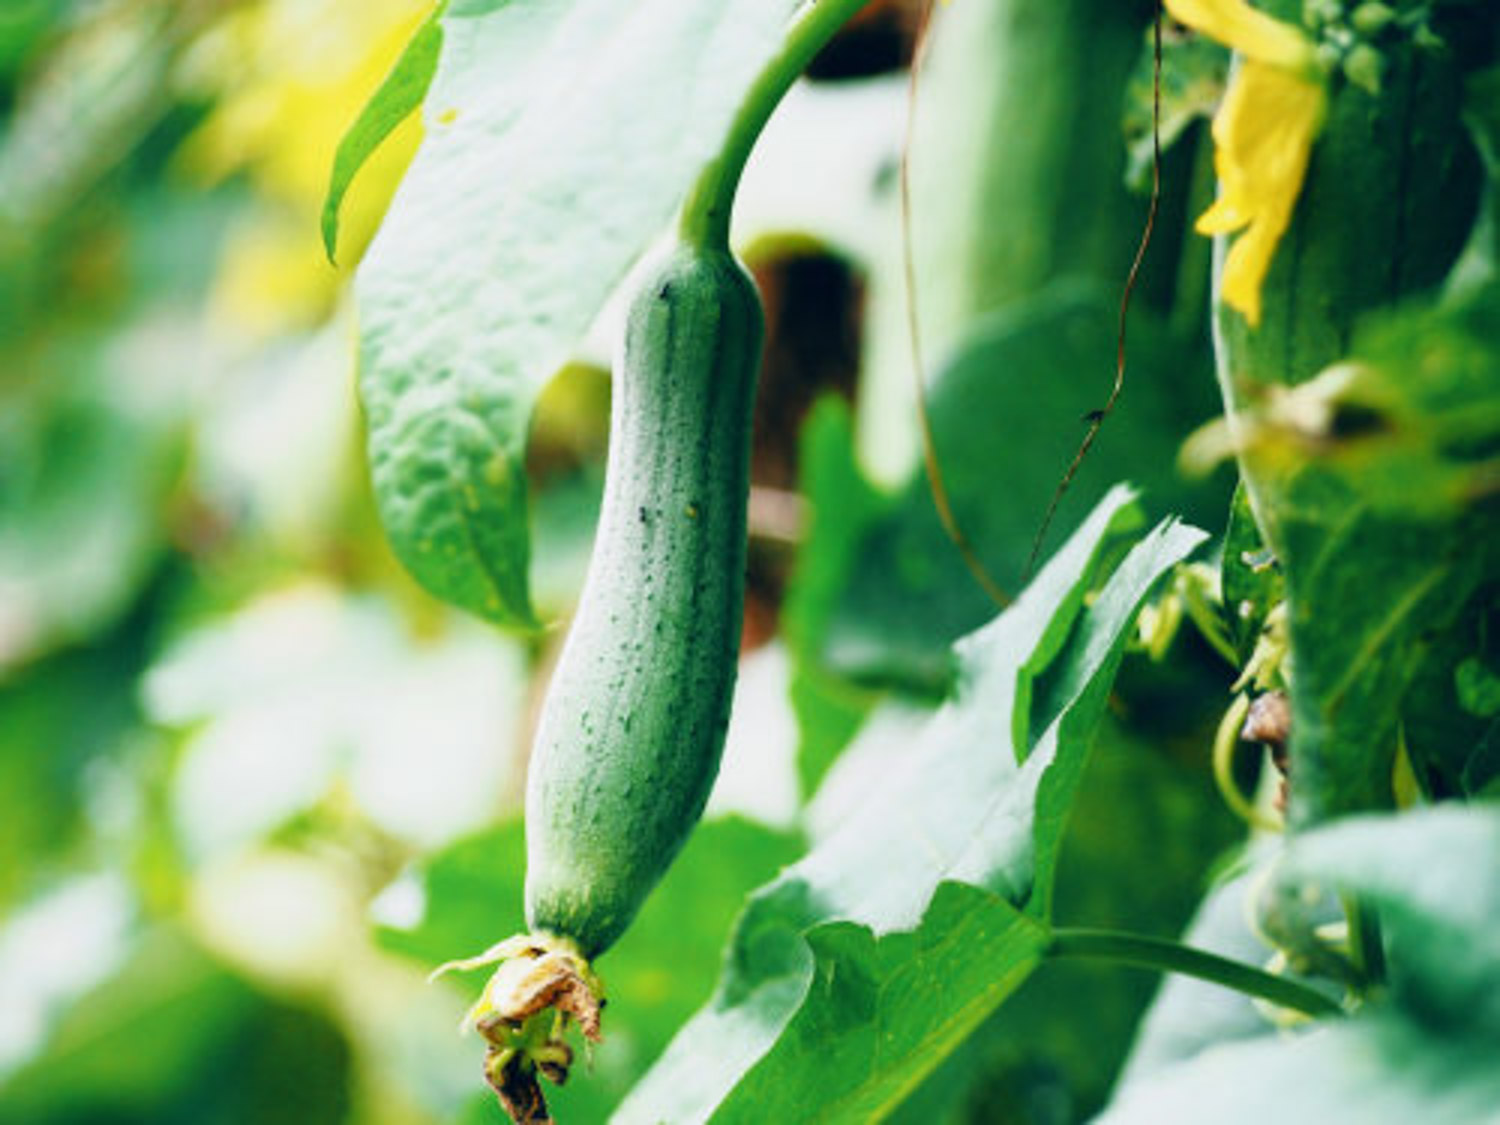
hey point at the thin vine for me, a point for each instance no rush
(933, 469)
(1096, 417)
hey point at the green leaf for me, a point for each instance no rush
(22, 25)
(1427, 1052)
(1367, 467)
(1248, 576)
(660, 971)
(1141, 834)
(560, 139)
(399, 95)
(1434, 875)
(86, 476)
(852, 975)
(1376, 1071)
(1361, 589)
(50, 747)
(1007, 413)
(1193, 72)
(1371, 475)
(175, 1039)
(1446, 715)
(829, 710)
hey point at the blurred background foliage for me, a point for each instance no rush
(254, 782)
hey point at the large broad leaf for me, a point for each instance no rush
(1358, 492)
(1142, 833)
(1388, 540)
(1428, 1052)
(1376, 1071)
(1007, 413)
(560, 138)
(1435, 877)
(852, 975)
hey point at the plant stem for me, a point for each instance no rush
(1170, 956)
(705, 216)
(1366, 948)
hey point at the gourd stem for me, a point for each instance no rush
(1170, 956)
(705, 216)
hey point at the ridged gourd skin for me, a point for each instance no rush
(632, 728)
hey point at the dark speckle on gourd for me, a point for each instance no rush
(631, 731)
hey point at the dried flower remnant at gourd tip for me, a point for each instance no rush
(543, 984)
(1263, 134)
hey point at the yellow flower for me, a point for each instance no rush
(1253, 33)
(1263, 134)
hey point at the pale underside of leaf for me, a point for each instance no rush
(1376, 1071)
(1423, 1050)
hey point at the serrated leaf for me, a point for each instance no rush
(853, 974)
(398, 97)
(560, 139)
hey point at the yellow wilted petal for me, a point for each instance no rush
(1263, 134)
(1245, 269)
(1253, 33)
(1221, 218)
